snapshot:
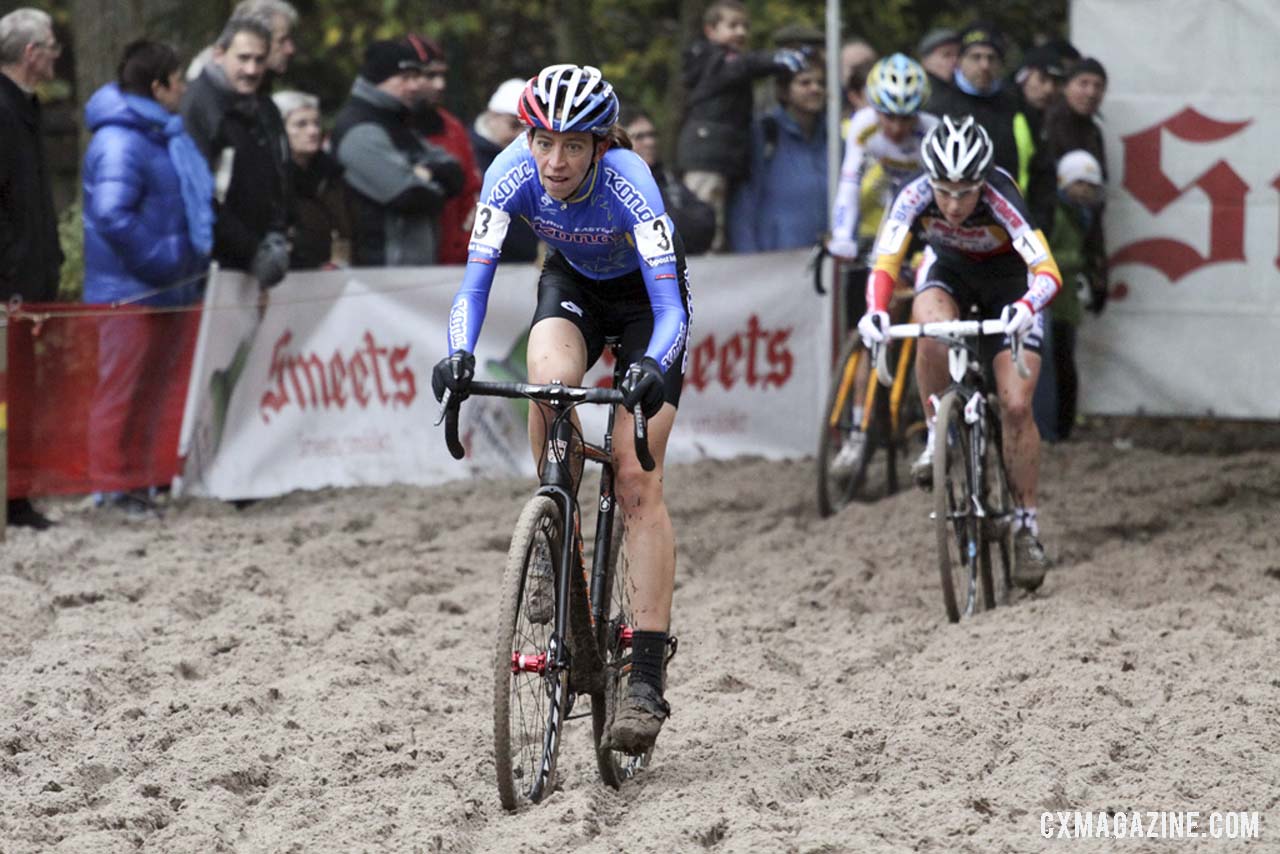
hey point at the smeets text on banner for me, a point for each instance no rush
(330, 386)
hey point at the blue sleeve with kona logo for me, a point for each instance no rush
(614, 225)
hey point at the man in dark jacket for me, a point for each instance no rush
(399, 181)
(938, 52)
(978, 90)
(30, 257)
(240, 133)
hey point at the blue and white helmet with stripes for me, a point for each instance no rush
(569, 98)
(897, 85)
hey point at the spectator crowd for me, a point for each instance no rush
(213, 161)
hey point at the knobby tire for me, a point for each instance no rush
(959, 534)
(529, 708)
(615, 767)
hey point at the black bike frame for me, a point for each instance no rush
(557, 483)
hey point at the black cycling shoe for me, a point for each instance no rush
(639, 720)
(22, 513)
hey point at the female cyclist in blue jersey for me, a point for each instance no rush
(616, 268)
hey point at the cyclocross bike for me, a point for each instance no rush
(562, 633)
(973, 507)
(887, 422)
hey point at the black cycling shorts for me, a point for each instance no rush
(608, 308)
(990, 284)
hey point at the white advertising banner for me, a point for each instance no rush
(1191, 116)
(330, 384)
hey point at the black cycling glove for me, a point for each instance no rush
(455, 374)
(643, 384)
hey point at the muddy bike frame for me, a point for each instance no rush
(557, 480)
(584, 645)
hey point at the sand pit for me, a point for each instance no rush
(311, 673)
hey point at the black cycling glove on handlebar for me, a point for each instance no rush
(455, 374)
(643, 384)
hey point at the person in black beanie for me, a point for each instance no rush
(398, 181)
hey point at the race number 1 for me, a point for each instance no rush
(892, 234)
(656, 241)
(490, 227)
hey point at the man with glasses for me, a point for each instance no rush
(981, 250)
(30, 257)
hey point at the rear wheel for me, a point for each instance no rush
(959, 534)
(615, 766)
(845, 452)
(530, 694)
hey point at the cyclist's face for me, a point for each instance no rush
(563, 159)
(956, 200)
(896, 128)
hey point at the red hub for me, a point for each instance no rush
(521, 663)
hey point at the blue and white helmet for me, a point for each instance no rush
(897, 85)
(569, 98)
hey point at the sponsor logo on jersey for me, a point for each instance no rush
(913, 199)
(506, 186)
(458, 325)
(669, 357)
(626, 193)
(978, 239)
(552, 231)
(1005, 212)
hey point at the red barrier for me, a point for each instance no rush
(96, 401)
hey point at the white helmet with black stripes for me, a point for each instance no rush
(958, 150)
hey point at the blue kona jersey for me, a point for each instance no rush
(614, 225)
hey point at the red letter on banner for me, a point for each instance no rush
(1146, 180)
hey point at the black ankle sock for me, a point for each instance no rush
(648, 651)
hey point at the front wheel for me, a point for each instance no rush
(844, 449)
(956, 519)
(530, 693)
(998, 528)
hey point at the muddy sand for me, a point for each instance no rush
(312, 673)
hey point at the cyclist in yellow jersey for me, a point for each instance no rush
(882, 153)
(982, 250)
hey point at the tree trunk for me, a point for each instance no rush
(571, 33)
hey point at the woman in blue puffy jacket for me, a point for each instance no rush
(148, 229)
(148, 195)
